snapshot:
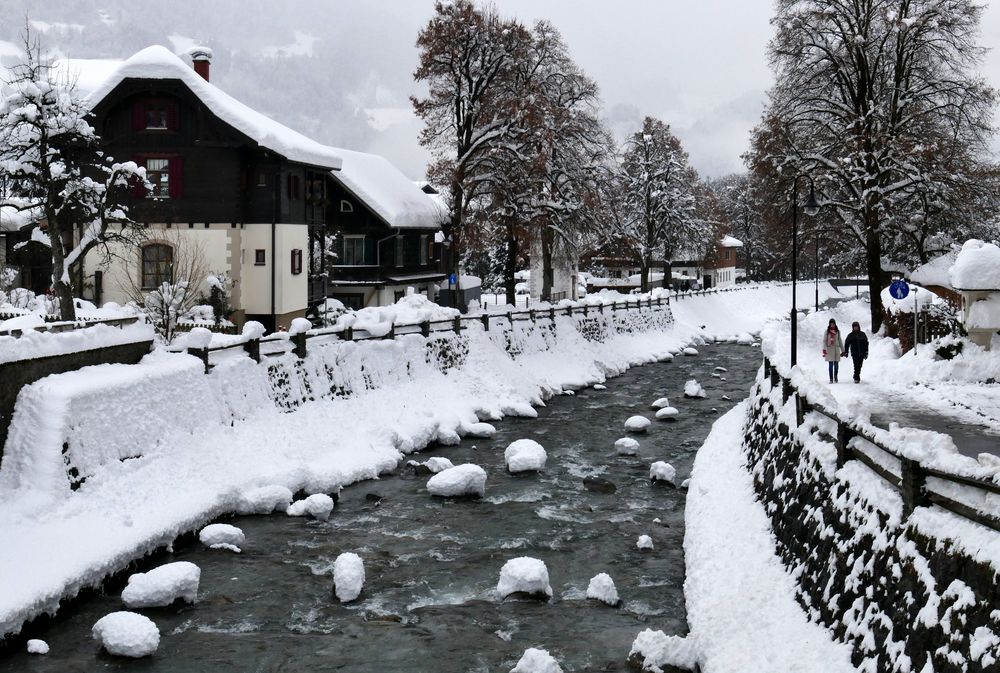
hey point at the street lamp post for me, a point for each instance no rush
(816, 270)
(810, 208)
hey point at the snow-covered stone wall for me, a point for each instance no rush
(904, 598)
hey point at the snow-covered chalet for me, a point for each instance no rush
(291, 221)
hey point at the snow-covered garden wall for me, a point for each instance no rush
(907, 594)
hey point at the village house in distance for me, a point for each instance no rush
(289, 220)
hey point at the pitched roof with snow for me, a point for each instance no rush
(97, 78)
(387, 192)
(730, 242)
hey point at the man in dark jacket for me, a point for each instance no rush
(857, 346)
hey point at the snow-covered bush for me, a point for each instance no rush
(162, 586)
(524, 455)
(127, 634)
(165, 305)
(461, 480)
(220, 293)
(348, 576)
(524, 575)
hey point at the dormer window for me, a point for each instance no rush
(346, 206)
(155, 114)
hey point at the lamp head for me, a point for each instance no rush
(811, 206)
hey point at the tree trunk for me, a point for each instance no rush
(457, 215)
(644, 274)
(510, 266)
(667, 277)
(63, 290)
(547, 272)
(873, 249)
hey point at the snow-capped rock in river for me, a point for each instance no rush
(667, 414)
(693, 389)
(626, 446)
(536, 661)
(524, 575)
(654, 650)
(163, 585)
(222, 536)
(600, 386)
(127, 634)
(430, 466)
(317, 505)
(664, 472)
(461, 480)
(524, 455)
(690, 351)
(348, 576)
(637, 424)
(644, 542)
(481, 430)
(660, 403)
(602, 588)
(36, 646)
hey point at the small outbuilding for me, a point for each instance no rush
(976, 276)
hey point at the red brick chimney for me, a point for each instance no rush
(201, 59)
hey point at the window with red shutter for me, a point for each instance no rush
(176, 172)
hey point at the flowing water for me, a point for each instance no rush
(429, 603)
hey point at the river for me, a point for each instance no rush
(432, 565)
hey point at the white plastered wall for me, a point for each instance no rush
(291, 291)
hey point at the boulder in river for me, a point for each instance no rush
(599, 485)
(525, 576)
(662, 473)
(637, 424)
(466, 480)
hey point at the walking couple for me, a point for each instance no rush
(835, 348)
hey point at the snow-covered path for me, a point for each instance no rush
(741, 602)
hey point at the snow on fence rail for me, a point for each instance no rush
(64, 326)
(906, 474)
(297, 343)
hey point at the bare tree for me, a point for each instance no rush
(52, 167)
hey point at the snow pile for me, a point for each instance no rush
(637, 424)
(661, 471)
(660, 403)
(127, 634)
(458, 481)
(162, 586)
(299, 326)
(984, 314)
(317, 505)
(26, 322)
(481, 430)
(693, 389)
(536, 661)
(409, 310)
(348, 576)
(602, 588)
(222, 536)
(36, 646)
(524, 575)
(977, 267)
(667, 414)
(264, 500)
(34, 344)
(626, 446)
(644, 543)
(654, 651)
(744, 339)
(524, 455)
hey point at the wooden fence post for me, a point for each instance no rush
(299, 340)
(252, 347)
(845, 434)
(585, 309)
(552, 314)
(786, 389)
(201, 354)
(486, 321)
(458, 325)
(912, 486)
(392, 332)
(425, 328)
(767, 368)
(802, 407)
(531, 314)
(775, 377)
(349, 333)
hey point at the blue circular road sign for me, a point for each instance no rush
(899, 289)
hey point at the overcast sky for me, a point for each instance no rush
(341, 70)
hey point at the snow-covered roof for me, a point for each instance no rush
(97, 78)
(12, 219)
(977, 267)
(935, 272)
(730, 242)
(387, 192)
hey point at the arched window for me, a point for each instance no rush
(157, 265)
(346, 206)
